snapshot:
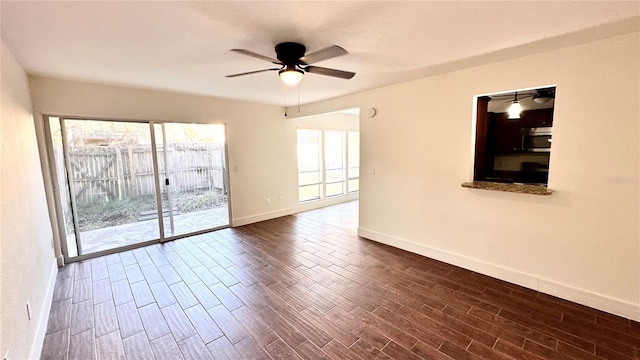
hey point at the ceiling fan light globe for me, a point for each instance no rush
(514, 110)
(291, 76)
(542, 99)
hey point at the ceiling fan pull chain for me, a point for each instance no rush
(284, 87)
(298, 98)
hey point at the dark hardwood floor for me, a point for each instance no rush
(295, 288)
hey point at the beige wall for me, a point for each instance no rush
(340, 120)
(262, 142)
(27, 265)
(581, 243)
(261, 139)
(332, 121)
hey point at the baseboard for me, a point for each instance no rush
(317, 204)
(43, 314)
(262, 217)
(598, 301)
(311, 205)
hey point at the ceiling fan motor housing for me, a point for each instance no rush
(293, 61)
(289, 53)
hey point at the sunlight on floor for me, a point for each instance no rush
(343, 215)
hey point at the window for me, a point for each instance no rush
(309, 160)
(334, 160)
(328, 163)
(353, 159)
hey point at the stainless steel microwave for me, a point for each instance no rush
(536, 139)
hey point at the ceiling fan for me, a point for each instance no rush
(294, 63)
(540, 96)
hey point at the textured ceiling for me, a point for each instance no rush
(184, 46)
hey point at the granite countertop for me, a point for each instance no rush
(516, 188)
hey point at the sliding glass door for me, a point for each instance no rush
(120, 184)
(193, 177)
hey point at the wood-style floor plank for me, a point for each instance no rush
(299, 288)
(258, 329)
(106, 318)
(307, 350)
(203, 324)
(222, 349)
(110, 347)
(121, 292)
(116, 271)
(165, 347)
(178, 322)
(63, 289)
(162, 294)
(232, 329)
(138, 347)
(203, 294)
(59, 316)
(82, 346)
(194, 349)
(183, 295)
(129, 319)
(81, 316)
(249, 349)
(56, 345)
(142, 294)
(82, 289)
(153, 321)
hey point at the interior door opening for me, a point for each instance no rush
(123, 184)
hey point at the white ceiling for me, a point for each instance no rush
(184, 46)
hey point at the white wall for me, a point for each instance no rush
(27, 264)
(581, 243)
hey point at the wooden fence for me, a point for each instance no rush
(104, 173)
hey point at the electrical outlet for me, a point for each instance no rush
(29, 309)
(280, 199)
(268, 201)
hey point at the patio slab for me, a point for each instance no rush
(127, 234)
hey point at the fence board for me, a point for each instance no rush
(109, 172)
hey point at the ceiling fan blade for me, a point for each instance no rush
(329, 72)
(258, 56)
(252, 72)
(324, 54)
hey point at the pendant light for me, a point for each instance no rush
(515, 108)
(291, 75)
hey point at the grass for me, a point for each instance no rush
(98, 215)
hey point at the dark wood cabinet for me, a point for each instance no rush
(505, 134)
(500, 156)
(536, 118)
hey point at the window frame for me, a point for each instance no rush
(345, 178)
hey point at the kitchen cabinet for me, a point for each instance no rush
(505, 134)
(536, 118)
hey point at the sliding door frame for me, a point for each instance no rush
(57, 206)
